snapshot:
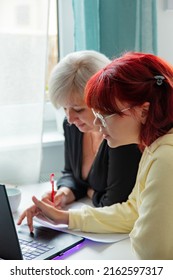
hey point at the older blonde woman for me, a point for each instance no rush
(91, 167)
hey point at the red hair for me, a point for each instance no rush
(131, 79)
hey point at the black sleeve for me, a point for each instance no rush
(123, 164)
(71, 173)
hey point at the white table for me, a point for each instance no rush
(88, 250)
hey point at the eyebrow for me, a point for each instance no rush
(78, 107)
(75, 107)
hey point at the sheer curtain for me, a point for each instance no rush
(23, 57)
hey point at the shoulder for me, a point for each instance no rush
(162, 148)
(71, 133)
(70, 128)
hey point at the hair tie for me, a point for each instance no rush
(159, 79)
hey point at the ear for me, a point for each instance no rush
(144, 111)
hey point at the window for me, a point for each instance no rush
(26, 61)
(61, 42)
(52, 41)
(23, 56)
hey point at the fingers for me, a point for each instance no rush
(34, 211)
(36, 201)
(47, 196)
(29, 214)
(50, 211)
(40, 204)
(21, 218)
(48, 201)
(57, 199)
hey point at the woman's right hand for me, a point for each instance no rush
(63, 196)
(40, 207)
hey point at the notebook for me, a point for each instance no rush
(18, 244)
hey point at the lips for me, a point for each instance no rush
(80, 125)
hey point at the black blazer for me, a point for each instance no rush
(112, 175)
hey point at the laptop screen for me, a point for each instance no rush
(8, 234)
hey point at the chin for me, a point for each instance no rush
(83, 129)
(112, 144)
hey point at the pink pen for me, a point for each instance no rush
(52, 183)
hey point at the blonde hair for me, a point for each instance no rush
(71, 74)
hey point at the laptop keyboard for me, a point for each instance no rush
(33, 249)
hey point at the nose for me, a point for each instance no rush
(71, 115)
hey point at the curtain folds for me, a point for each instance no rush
(23, 56)
(146, 26)
(115, 26)
(86, 24)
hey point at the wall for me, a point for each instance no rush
(53, 143)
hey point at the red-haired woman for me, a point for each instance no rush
(132, 99)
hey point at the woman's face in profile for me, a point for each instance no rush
(120, 129)
(78, 113)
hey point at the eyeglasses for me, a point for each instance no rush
(103, 119)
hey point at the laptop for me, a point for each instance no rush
(19, 244)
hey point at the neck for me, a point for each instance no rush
(95, 139)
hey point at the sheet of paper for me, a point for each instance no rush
(98, 237)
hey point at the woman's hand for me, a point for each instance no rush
(62, 197)
(29, 213)
(41, 207)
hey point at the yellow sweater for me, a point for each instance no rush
(148, 213)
